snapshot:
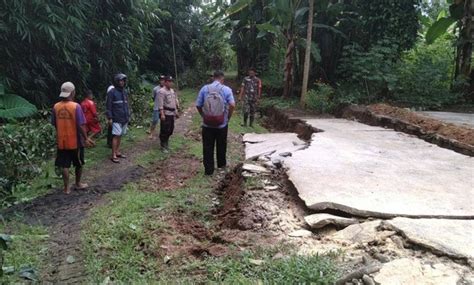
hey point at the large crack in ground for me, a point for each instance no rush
(364, 247)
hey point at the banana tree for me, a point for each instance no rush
(282, 16)
(13, 106)
(460, 14)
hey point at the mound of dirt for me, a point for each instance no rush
(459, 133)
(231, 189)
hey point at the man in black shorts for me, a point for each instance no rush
(71, 135)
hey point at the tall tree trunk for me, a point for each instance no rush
(466, 34)
(289, 62)
(307, 55)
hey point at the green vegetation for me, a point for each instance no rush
(290, 269)
(43, 177)
(156, 154)
(25, 247)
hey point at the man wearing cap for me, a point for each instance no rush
(118, 114)
(251, 91)
(168, 105)
(71, 135)
(215, 135)
(155, 118)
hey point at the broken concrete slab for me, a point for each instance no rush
(271, 144)
(254, 168)
(454, 238)
(407, 271)
(372, 171)
(317, 221)
(300, 233)
(362, 233)
(460, 119)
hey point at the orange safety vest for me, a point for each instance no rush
(66, 126)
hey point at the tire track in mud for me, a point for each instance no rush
(63, 214)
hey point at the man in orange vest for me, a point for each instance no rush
(71, 135)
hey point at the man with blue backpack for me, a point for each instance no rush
(216, 104)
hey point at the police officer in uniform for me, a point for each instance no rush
(250, 91)
(168, 105)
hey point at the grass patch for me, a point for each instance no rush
(280, 103)
(27, 246)
(177, 142)
(187, 97)
(254, 267)
(115, 233)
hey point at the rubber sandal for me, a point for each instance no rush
(121, 156)
(115, 160)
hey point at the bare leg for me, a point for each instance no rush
(78, 175)
(67, 190)
(117, 150)
(152, 130)
(115, 146)
(79, 185)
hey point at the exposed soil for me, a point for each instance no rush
(171, 174)
(277, 120)
(459, 133)
(457, 138)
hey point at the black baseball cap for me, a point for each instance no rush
(162, 77)
(169, 78)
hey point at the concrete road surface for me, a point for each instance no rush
(372, 171)
(461, 119)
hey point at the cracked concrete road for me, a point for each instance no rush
(371, 171)
(460, 119)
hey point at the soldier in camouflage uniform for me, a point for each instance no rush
(250, 91)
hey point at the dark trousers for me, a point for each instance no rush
(109, 136)
(166, 130)
(214, 137)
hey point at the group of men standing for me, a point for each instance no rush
(215, 103)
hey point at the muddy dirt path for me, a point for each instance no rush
(64, 214)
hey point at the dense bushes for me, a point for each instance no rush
(23, 148)
(424, 76)
(420, 78)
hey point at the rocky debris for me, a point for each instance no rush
(270, 187)
(408, 271)
(278, 163)
(317, 221)
(255, 168)
(363, 233)
(358, 274)
(257, 145)
(285, 154)
(450, 237)
(300, 233)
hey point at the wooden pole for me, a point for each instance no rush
(174, 58)
(307, 55)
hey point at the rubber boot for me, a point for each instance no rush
(251, 121)
(246, 116)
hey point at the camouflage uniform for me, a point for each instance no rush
(251, 87)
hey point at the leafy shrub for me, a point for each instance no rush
(23, 147)
(320, 99)
(372, 71)
(424, 76)
(13, 106)
(140, 104)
